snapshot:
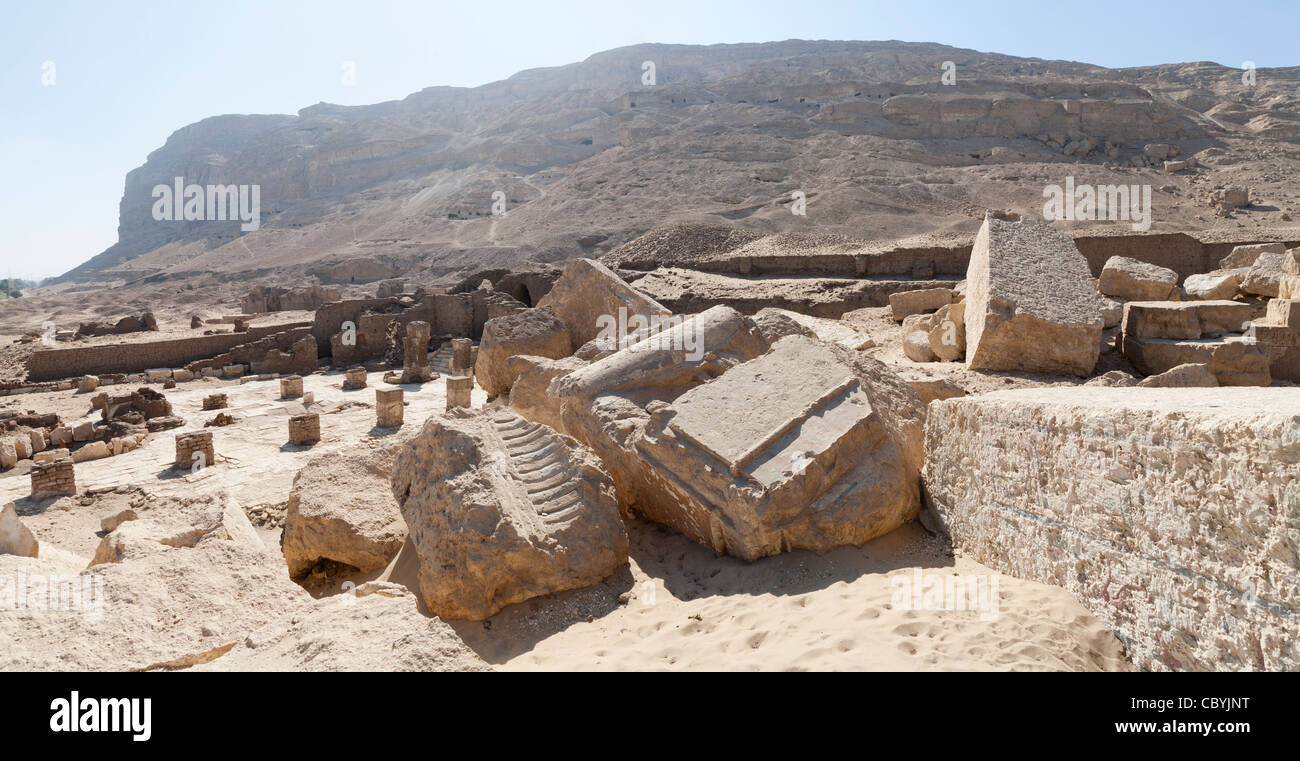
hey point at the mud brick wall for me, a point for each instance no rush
(53, 479)
(54, 364)
(255, 353)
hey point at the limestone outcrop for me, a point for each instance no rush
(1169, 513)
(502, 510)
(1030, 304)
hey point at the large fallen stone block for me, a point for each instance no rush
(534, 332)
(1171, 513)
(1131, 280)
(809, 446)
(502, 510)
(1030, 302)
(1265, 276)
(1213, 285)
(1185, 319)
(906, 303)
(342, 509)
(530, 395)
(589, 297)
(1234, 361)
(1245, 256)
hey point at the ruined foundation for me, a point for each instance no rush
(214, 402)
(355, 379)
(194, 449)
(304, 430)
(389, 407)
(53, 479)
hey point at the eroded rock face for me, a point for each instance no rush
(502, 510)
(533, 332)
(1131, 280)
(341, 509)
(1170, 513)
(1030, 303)
(588, 295)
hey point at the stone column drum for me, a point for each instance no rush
(459, 388)
(462, 356)
(389, 407)
(415, 353)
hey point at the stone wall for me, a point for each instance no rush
(53, 479)
(53, 364)
(1172, 514)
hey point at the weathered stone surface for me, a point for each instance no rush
(589, 294)
(304, 430)
(459, 390)
(1030, 303)
(342, 509)
(1112, 312)
(1131, 280)
(533, 375)
(948, 336)
(501, 510)
(1170, 513)
(415, 353)
(15, 538)
(906, 303)
(1185, 319)
(1183, 376)
(819, 449)
(1113, 378)
(187, 523)
(916, 346)
(390, 407)
(1213, 285)
(533, 332)
(1245, 256)
(1265, 275)
(1234, 362)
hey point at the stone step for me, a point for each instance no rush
(1181, 320)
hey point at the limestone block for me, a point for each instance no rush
(1170, 513)
(390, 409)
(533, 332)
(1031, 304)
(1131, 280)
(15, 538)
(906, 303)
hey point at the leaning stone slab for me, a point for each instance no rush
(1170, 513)
(1030, 303)
(588, 295)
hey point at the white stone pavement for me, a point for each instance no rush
(254, 459)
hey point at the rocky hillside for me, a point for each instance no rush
(588, 157)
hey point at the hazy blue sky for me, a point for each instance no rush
(129, 74)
